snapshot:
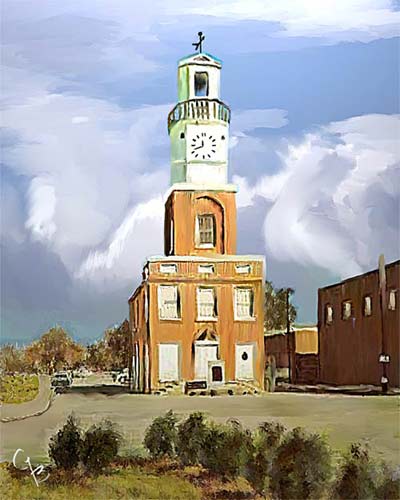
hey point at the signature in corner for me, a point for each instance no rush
(35, 472)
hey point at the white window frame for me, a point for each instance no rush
(164, 316)
(346, 311)
(205, 317)
(392, 300)
(243, 269)
(168, 268)
(240, 317)
(206, 269)
(367, 307)
(199, 244)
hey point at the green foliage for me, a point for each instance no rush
(18, 388)
(226, 448)
(161, 435)
(388, 487)
(191, 437)
(267, 437)
(356, 478)
(301, 466)
(65, 446)
(275, 308)
(100, 446)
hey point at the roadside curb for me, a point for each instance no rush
(50, 401)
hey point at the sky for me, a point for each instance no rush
(86, 88)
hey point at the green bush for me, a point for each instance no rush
(65, 446)
(356, 476)
(389, 485)
(191, 438)
(161, 435)
(301, 466)
(226, 448)
(266, 438)
(100, 446)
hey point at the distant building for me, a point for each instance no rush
(350, 333)
(295, 355)
(198, 313)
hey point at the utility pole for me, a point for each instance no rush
(289, 291)
(384, 357)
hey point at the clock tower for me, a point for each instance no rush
(197, 318)
(200, 195)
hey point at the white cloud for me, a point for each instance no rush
(334, 204)
(338, 20)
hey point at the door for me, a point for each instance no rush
(168, 362)
(244, 361)
(203, 354)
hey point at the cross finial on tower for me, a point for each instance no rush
(199, 45)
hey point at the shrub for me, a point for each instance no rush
(161, 435)
(266, 439)
(301, 467)
(65, 446)
(356, 475)
(100, 446)
(226, 448)
(191, 437)
(389, 485)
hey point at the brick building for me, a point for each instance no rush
(198, 313)
(349, 330)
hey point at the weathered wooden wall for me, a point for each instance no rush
(349, 349)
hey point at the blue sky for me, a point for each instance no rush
(313, 88)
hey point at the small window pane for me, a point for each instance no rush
(329, 314)
(392, 300)
(206, 304)
(168, 302)
(243, 303)
(205, 230)
(201, 84)
(206, 269)
(346, 309)
(367, 306)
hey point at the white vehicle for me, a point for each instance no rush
(123, 377)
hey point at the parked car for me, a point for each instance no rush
(61, 380)
(81, 372)
(123, 376)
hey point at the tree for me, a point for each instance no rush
(275, 308)
(118, 343)
(54, 350)
(11, 359)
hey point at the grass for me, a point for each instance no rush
(121, 483)
(17, 389)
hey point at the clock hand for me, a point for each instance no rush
(199, 147)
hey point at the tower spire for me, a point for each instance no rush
(199, 45)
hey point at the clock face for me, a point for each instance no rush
(203, 146)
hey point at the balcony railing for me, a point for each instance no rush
(199, 109)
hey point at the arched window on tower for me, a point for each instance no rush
(201, 84)
(205, 231)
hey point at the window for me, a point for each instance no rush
(168, 268)
(168, 302)
(205, 231)
(347, 309)
(244, 303)
(328, 314)
(243, 269)
(182, 136)
(392, 300)
(201, 84)
(206, 269)
(206, 304)
(367, 306)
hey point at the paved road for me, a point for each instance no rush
(343, 418)
(37, 404)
